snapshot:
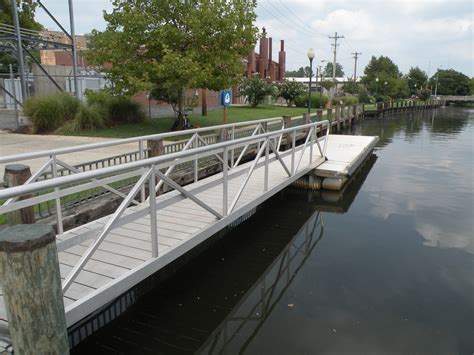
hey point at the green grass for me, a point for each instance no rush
(160, 125)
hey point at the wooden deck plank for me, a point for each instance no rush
(97, 266)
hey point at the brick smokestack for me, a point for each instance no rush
(271, 67)
(263, 58)
(281, 61)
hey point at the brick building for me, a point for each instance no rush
(260, 63)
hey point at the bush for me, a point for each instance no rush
(255, 90)
(346, 100)
(117, 109)
(302, 101)
(382, 98)
(89, 117)
(290, 90)
(47, 113)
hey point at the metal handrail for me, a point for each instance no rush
(149, 168)
(159, 161)
(91, 146)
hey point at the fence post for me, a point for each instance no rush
(15, 175)
(338, 116)
(287, 124)
(319, 114)
(156, 147)
(32, 291)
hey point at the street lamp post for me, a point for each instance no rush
(310, 57)
(376, 86)
(385, 89)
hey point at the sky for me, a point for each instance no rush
(429, 34)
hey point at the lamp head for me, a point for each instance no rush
(377, 79)
(311, 54)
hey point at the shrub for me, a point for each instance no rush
(47, 113)
(117, 109)
(302, 101)
(255, 90)
(346, 100)
(290, 90)
(89, 117)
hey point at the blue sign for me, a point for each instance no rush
(226, 98)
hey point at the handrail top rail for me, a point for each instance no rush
(91, 146)
(162, 159)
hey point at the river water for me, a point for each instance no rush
(385, 268)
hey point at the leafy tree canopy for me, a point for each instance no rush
(26, 16)
(174, 44)
(386, 71)
(450, 82)
(290, 90)
(381, 66)
(302, 72)
(416, 78)
(255, 90)
(327, 71)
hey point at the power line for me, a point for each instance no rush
(273, 29)
(301, 23)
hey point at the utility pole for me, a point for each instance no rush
(74, 49)
(355, 55)
(335, 38)
(19, 47)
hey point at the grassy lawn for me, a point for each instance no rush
(160, 125)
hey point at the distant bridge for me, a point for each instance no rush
(456, 98)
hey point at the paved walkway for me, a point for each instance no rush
(12, 143)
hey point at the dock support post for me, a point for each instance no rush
(156, 147)
(32, 289)
(338, 116)
(287, 124)
(15, 175)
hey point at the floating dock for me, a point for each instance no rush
(132, 250)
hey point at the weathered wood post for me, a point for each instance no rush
(156, 147)
(32, 291)
(287, 138)
(338, 116)
(15, 175)
(306, 120)
(319, 115)
(354, 113)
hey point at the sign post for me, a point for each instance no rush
(226, 101)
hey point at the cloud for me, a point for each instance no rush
(424, 33)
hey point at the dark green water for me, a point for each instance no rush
(388, 269)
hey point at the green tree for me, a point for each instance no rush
(416, 78)
(26, 16)
(471, 84)
(450, 82)
(386, 71)
(327, 71)
(173, 45)
(255, 90)
(290, 90)
(302, 72)
(351, 87)
(327, 84)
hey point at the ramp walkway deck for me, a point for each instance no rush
(102, 259)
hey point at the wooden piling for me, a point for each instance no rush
(32, 291)
(155, 147)
(15, 175)
(287, 124)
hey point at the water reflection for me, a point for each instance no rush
(220, 300)
(242, 325)
(430, 178)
